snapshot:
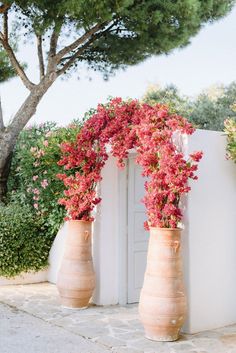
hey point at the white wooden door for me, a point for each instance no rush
(137, 236)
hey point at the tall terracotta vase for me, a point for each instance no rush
(162, 305)
(76, 277)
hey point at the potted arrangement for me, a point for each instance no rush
(76, 277)
(162, 305)
(83, 161)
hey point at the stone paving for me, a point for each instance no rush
(113, 328)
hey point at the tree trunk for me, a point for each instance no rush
(9, 135)
(4, 174)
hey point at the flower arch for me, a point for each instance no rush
(125, 125)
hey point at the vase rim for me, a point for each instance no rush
(178, 228)
(78, 220)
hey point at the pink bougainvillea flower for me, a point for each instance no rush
(196, 156)
(35, 177)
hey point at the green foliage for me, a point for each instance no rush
(212, 107)
(24, 242)
(169, 96)
(6, 70)
(140, 28)
(32, 179)
(207, 111)
(230, 129)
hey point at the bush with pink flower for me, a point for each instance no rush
(33, 178)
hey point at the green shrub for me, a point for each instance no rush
(32, 217)
(230, 129)
(24, 240)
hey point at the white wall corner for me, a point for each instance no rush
(211, 236)
(56, 254)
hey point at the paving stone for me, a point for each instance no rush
(21, 333)
(130, 336)
(122, 324)
(117, 329)
(209, 344)
(126, 350)
(148, 345)
(110, 341)
(229, 339)
(182, 347)
(89, 331)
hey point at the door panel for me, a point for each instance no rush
(137, 236)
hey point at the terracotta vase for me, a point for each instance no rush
(162, 305)
(76, 277)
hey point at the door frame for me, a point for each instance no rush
(123, 234)
(123, 212)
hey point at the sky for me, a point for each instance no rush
(209, 59)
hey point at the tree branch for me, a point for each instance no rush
(78, 41)
(5, 25)
(52, 49)
(16, 65)
(4, 8)
(80, 50)
(53, 42)
(72, 59)
(40, 55)
(1, 117)
(29, 107)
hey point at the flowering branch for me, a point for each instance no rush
(126, 125)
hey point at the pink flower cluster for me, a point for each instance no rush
(167, 170)
(126, 125)
(87, 156)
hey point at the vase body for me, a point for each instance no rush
(76, 277)
(162, 305)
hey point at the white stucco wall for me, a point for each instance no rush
(25, 278)
(56, 254)
(210, 236)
